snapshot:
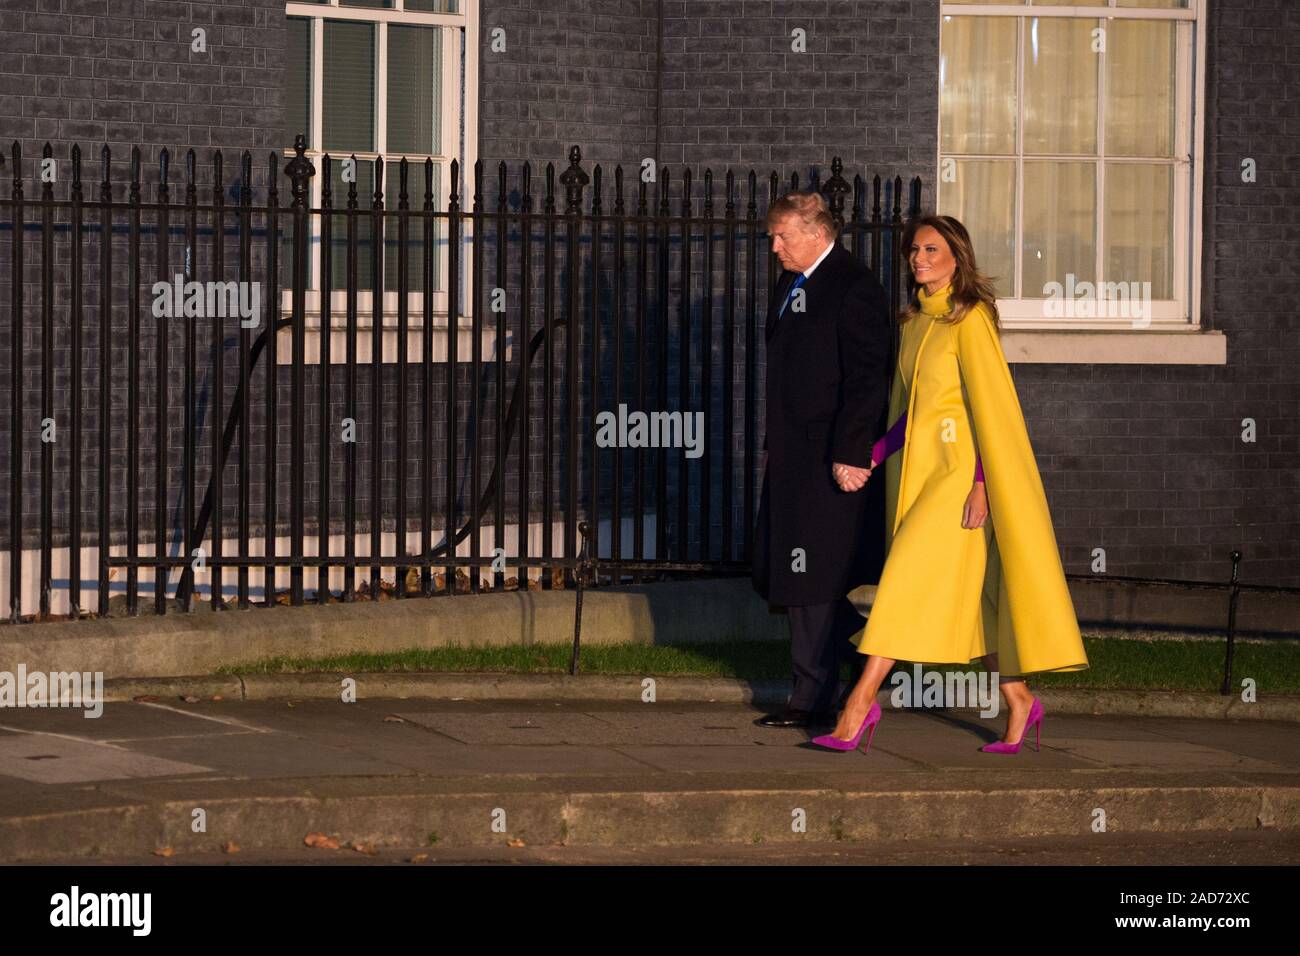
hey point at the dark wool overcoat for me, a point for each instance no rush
(827, 396)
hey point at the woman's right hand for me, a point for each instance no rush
(977, 507)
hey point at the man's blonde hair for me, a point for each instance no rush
(808, 207)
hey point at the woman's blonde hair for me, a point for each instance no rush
(970, 287)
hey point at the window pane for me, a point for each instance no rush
(1140, 64)
(1060, 86)
(1161, 4)
(983, 197)
(365, 188)
(286, 229)
(387, 4)
(1059, 225)
(415, 229)
(414, 89)
(298, 79)
(1140, 225)
(977, 84)
(348, 114)
(434, 6)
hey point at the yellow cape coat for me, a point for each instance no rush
(950, 594)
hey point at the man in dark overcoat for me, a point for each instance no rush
(820, 530)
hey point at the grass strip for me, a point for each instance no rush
(1114, 663)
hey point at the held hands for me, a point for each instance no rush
(974, 514)
(849, 477)
(977, 507)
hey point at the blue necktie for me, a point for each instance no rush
(797, 282)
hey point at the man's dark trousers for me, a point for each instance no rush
(819, 644)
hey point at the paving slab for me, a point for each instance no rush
(55, 759)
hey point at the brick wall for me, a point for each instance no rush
(1251, 287)
(572, 72)
(121, 72)
(1145, 461)
(1148, 462)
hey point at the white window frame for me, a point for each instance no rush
(459, 108)
(1030, 335)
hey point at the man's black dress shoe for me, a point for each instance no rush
(793, 717)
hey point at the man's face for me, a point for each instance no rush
(796, 246)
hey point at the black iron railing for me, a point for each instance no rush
(195, 453)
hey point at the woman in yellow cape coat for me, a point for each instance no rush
(951, 594)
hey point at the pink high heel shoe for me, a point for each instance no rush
(1035, 720)
(831, 742)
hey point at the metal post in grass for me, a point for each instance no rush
(1233, 591)
(580, 577)
(300, 170)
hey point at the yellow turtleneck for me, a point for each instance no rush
(914, 331)
(936, 304)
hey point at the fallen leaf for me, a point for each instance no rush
(394, 719)
(190, 699)
(217, 697)
(230, 847)
(321, 841)
(163, 851)
(366, 848)
(515, 842)
(418, 858)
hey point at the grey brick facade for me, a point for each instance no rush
(1144, 461)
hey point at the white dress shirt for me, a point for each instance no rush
(807, 273)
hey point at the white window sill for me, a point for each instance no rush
(1114, 347)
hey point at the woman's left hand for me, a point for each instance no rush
(977, 507)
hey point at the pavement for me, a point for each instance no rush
(481, 779)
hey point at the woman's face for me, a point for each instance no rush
(932, 261)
